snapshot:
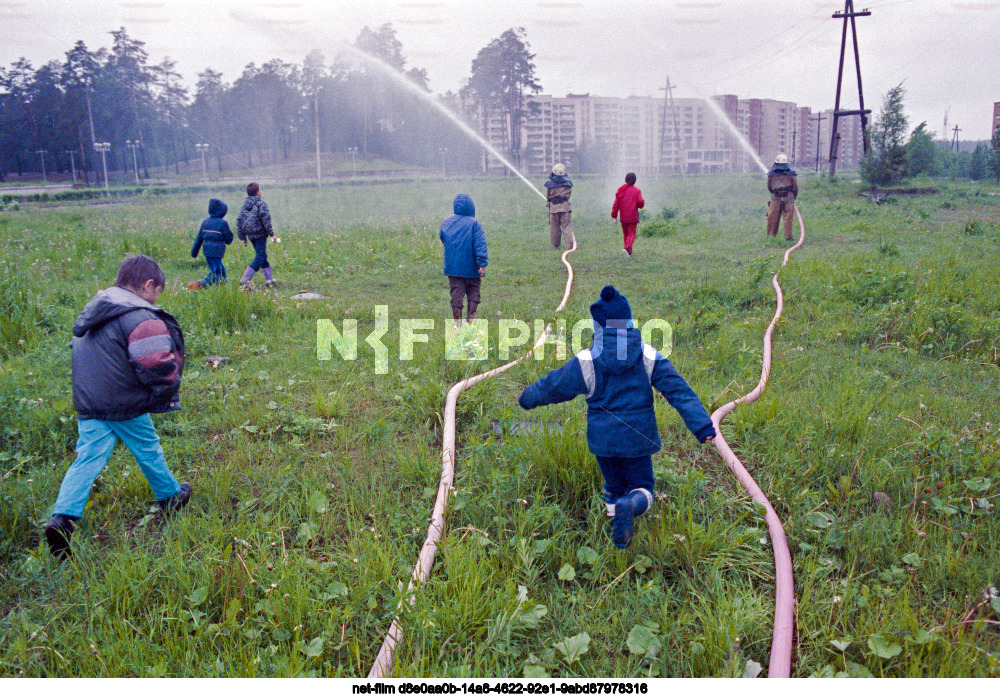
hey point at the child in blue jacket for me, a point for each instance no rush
(617, 375)
(465, 256)
(213, 236)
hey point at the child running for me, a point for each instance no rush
(617, 376)
(628, 201)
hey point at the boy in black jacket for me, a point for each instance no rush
(128, 355)
(213, 236)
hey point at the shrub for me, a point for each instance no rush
(658, 229)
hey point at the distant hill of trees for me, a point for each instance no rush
(268, 114)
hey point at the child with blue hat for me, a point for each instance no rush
(617, 375)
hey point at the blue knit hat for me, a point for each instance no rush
(611, 306)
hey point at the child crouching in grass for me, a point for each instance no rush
(617, 375)
(128, 355)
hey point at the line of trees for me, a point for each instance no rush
(268, 115)
(894, 157)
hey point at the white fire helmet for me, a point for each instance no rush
(781, 159)
(559, 169)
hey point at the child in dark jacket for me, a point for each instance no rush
(128, 355)
(465, 257)
(628, 201)
(617, 375)
(213, 236)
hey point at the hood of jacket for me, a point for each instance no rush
(106, 306)
(557, 181)
(463, 206)
(217, 209)
(616, 350)
(780, 169)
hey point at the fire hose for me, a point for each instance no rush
(784, 602)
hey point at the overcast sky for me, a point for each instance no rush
(945, 53)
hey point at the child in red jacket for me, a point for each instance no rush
(628, 201)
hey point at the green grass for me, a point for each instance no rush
(877, 440)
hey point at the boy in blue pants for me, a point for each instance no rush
(128, 355)
(213, 236)
(617, 375)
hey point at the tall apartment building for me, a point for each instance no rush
(651, 136)
(996, 118)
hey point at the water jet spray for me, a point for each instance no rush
(414, 89)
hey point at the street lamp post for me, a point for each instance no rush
(72, 164)
(42, 154)
(103, 149)
(203, 148)
(354, 151)
(135, 163)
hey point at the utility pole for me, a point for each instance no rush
(135, 163)
(72, 164)
(848, 14)
(103, 148)
(795, 130)
(42, 154)
(319, 177)
(954, 139)
(668, 107)
(203, 148)
(818, 118)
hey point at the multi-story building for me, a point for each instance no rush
(651, 135)
(996, 118)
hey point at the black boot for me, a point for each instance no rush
(635, 503)
(177, 502)
(58, 531)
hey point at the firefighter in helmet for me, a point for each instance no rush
(783, 184)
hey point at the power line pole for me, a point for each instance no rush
(795, 131)
(668, 107)
(818, 118)
(848, 14)
(954, 139)
(42, 154)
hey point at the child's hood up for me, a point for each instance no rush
(106, 306)
(617, 345)
(217, 209)
(463, 206)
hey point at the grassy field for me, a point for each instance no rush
(877, 441)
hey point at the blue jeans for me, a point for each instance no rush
(97, 439)
(622, 475)
(216, 272)
(260, 259)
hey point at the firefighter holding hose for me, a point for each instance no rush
(558, 189)
(783, 184)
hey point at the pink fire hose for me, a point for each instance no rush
(781, 643)
(383, 662)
